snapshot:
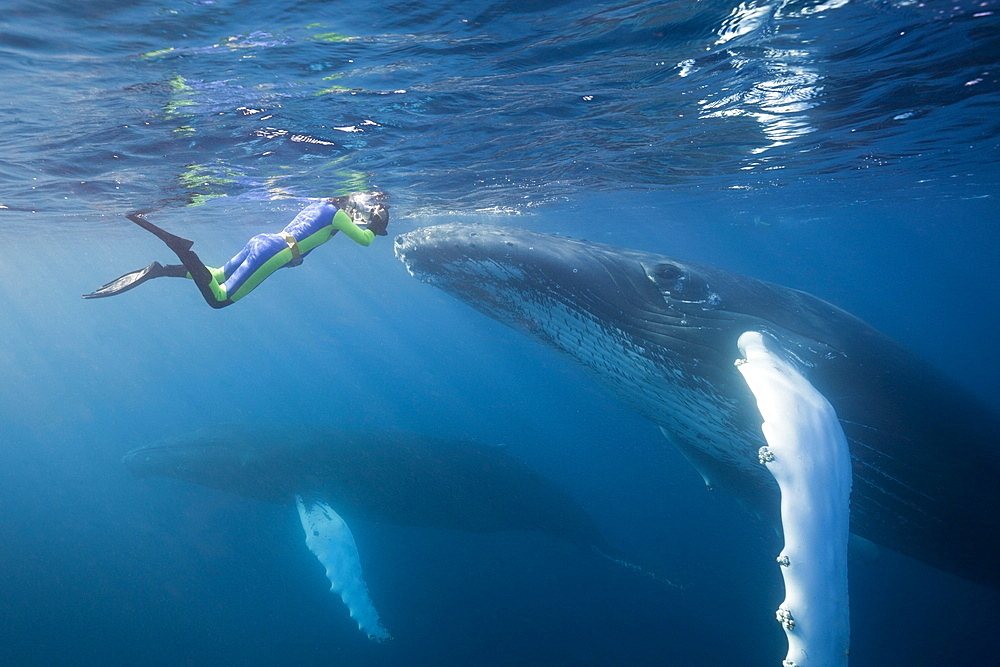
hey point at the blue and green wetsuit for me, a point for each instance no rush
(263, 254)
(266, 253)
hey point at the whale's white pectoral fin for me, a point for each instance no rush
(331, 541)
(808, 456)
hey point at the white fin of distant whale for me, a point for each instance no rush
(808, 456)
(331, 541)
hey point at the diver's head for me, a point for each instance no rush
(366, 209)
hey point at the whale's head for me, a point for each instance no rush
(185, 460)
(549, 285)
(597, 302)
(227, 459)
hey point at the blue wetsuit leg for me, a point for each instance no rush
(254, 255)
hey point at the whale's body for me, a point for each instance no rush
(335, 476)
(398, 478)
(661, 335)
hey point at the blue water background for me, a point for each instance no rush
(847, 149)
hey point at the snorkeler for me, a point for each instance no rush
(263, 254)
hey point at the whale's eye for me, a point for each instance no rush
(667, 277)
(666, 273)
(678, 283)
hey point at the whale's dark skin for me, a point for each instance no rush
(396, 478)
(660, 334)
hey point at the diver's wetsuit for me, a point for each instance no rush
(266, 253)
(260, 257)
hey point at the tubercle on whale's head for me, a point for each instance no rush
(513, 275)
(430, 253)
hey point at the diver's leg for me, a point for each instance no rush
(175, 243)
(238, 260)
(182, 248)
(263, 255)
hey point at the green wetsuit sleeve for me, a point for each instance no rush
(343, 222)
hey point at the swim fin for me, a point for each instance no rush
(136, 278)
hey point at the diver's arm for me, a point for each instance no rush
(343, 223)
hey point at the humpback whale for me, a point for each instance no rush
(662, 335)
(336, 476)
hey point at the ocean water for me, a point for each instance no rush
(849, 149)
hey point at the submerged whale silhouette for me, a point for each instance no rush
(397, 478)
(661, 335)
